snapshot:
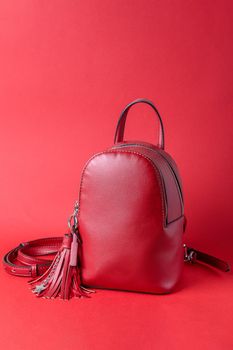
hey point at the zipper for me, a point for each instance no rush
(168, 163)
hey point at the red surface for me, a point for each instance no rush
(67, 69)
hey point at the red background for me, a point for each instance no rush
(67, 68)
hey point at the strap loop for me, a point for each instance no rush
(119, 134)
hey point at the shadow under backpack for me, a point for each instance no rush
(126, 231)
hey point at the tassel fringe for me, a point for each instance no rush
(62, 279)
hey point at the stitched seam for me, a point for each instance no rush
(46, 239)
(35, 247)
(156, 172)
(174, 173)
(158, 177)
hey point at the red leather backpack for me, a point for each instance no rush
(126, 231)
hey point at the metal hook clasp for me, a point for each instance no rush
(189, 254)
(73, 219)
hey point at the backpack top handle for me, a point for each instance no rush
(119, 134)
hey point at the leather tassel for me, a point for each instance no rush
(63, 276)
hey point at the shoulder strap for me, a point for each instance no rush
(192, 255)
(25, 260)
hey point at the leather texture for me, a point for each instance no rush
(134, 247)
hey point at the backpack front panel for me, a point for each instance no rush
(125, 244)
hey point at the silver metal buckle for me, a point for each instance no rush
(73, 219)
(189, 254)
